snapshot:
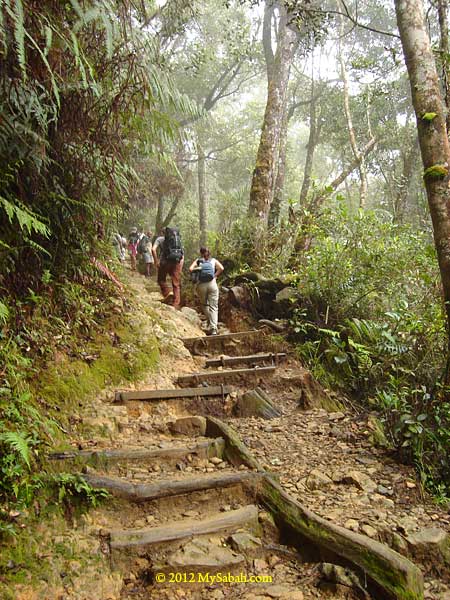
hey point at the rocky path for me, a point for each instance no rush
(180, 511)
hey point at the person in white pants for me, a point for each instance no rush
(206, 270)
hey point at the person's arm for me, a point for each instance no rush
(193, 266)
(155, 255)
(219, 269)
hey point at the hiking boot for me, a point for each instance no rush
(168, 299)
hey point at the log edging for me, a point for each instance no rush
(397, 576)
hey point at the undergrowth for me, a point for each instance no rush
(368, 320)
(59, 349)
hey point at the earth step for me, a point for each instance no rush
(219, 390)
(206, 449)
(143, 492)
(200, 555)
(221, 375)
(239, 342)
(246, 518)
(253, 359)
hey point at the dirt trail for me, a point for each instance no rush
(215, 526)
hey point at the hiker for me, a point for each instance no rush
(145, 250)
(169, 262)
(119, 243)
(133, 239)
(205, 271)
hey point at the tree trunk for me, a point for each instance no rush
(351, 131)
(161, 220)
(431, 127)
(442, 6)
(409, 164)
(275, 207)
(202, 194)
(261, 192)
(312, 143)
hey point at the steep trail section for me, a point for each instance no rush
(189, 477)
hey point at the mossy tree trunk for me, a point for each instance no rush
(275, 207)
(442, 8)
(431, 127)
(262, 187)
(313, 139)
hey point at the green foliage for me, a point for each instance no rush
(371, 322)
(72, 488)
(82, 92)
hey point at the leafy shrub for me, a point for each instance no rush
(371, 322)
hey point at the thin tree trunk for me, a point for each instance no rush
(333, 185)
(202, 194)
(312, 144)
(275, 207)
(351, 131)
(442, 6)
(159, 215)
(403, 185)
(431, 127)
(261, 192)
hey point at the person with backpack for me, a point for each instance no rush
(169, 262)
(133, 240)
(145, 250)
(204, 272)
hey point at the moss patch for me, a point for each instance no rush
(71, 382)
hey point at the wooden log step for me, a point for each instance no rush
(233, 374)
(246, 517)
(214, 339)
(144, 492)
(239, 342)
(218, 390)
(254, 359)
(205, 449)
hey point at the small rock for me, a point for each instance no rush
(369, 530)
(336, 416)
(317, 480)
(352, 524)
(192, 426)
(244, 542)
(381, 489)
(360, 480)
(432, 546)
(150, 518)
(139, 523)
(215, 460)
(260, 565)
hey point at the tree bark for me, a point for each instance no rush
(312, 144)
(403, 184)
(431, 128)
(351, 131)
(261, 192)
(202, 194)
(442, 6)
(275, 207)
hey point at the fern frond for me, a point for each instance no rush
(4, 312)
(28, 221)
(19, 443)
